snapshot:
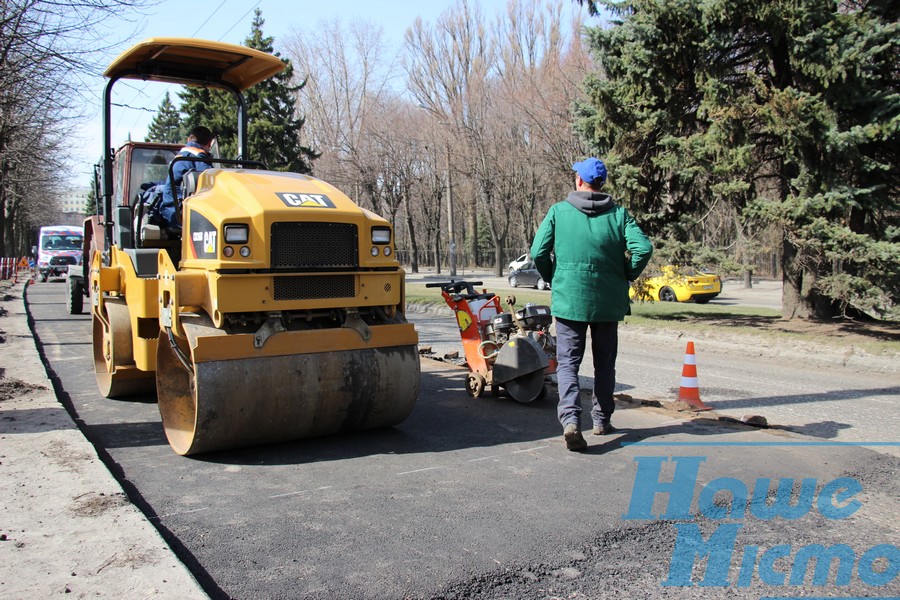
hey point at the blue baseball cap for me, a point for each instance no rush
(590, 170)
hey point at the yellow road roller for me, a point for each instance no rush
(277, 313)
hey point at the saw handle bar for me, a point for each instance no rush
(455, 287)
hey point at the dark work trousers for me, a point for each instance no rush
(571, 340)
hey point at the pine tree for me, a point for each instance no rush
(784, 111)
(214, 109)
(90, 205)
(166, 124)
(273, 134)
(274, 130)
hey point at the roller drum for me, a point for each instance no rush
(117, 376)
(260, 400)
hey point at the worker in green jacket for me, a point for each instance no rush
(588, 248)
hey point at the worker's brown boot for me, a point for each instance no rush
(574, 440)
(604, 429)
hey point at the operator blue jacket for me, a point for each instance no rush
(167, 206)
(589, 272)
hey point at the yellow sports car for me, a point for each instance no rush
(679, 284)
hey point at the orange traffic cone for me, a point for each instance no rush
(689, 391)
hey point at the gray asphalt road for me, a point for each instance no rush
(476, 498)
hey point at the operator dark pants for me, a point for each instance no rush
(571, 339)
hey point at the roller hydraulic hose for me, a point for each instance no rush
(182, 358)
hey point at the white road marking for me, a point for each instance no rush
(324, 487)
(420, 470)
(184, 512)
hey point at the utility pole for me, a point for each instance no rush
(452, 245)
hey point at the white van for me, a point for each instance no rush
(58, 247)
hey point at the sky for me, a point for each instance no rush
(229, 21)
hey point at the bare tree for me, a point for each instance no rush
(46, 47)
(506, 94)
(348, 71)
(491, 110)
(540, 70)
(448, 67)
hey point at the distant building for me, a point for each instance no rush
(74, 200)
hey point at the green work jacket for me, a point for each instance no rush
(580, 250)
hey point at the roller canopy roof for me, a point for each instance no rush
(188, 60)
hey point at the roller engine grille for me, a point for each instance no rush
(314, 287)
(301, 246)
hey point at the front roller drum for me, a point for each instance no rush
(235, 403)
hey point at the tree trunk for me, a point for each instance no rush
(437, 253)
(471, 232)
(413, 244)
(498, 260)
(4, 174)
(792, 305)
(800, 300)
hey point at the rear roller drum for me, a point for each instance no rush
(113, 354)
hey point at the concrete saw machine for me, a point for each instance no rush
(513, 350)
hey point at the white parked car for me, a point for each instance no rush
(519, 262)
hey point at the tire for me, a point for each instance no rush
(513, 281)
(475, 384)
(542, 285)
(667, 294)
(74, 296)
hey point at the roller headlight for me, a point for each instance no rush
(381, 235)
(237, 234)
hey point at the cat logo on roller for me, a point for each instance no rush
(306, 200)
(209, 242)
(203, 236)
